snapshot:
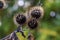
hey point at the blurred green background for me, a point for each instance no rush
(48, 23)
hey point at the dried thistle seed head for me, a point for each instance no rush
(32, 24)
(36, 12)
(20, 19)
(1, 4)
(30, 37)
